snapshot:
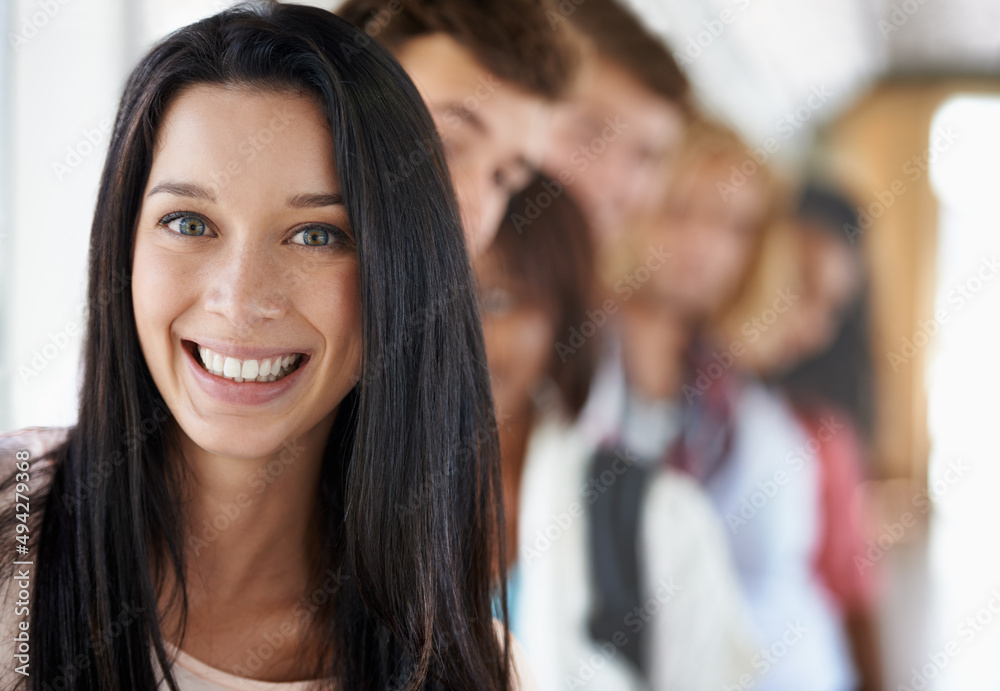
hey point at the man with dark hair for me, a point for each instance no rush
(487, 70)
(624, 119)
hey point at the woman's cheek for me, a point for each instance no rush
(330, 299)
(534, 344)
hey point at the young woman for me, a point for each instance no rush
(677, 395)
(541, 339)
(622, 121)
(285, 471)
(819, 355)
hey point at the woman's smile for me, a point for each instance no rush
(242, 366)
(235, 381)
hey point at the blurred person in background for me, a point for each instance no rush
(818, 353)
(826, 349)
(678, 399)
(488, 71)
(623, 118)
(534, 282)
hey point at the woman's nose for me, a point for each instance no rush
(245, 288)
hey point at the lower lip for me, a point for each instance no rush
(243, 393)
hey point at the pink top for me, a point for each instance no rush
(842, 546)
(194, 675)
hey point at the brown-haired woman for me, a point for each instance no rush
(542, 331)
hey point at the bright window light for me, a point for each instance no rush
(963, 384)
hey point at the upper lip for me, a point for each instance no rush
(242, 351)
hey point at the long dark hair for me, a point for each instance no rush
(842, 373)
(544, 242)
(410, 486)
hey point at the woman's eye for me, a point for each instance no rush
(312, 237)
(187, 225)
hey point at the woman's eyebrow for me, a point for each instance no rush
(313, 200)
(183, 189)
(303, 201)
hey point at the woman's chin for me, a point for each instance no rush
(245, 439)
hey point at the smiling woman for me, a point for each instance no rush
(285, 473)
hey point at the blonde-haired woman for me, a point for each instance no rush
(673, 394)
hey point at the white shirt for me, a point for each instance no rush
(699, 631)
(802, 645)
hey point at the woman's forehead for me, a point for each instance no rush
(245, 144)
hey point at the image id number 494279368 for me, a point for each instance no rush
(22, 566)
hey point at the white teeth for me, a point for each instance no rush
(232, 368)
(250, 369)
(267, 370)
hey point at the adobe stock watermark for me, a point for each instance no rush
(104, 467)
(561, 12)
(966, 632)
(712, 31)
(486, 86)
(585, 154)
(248, 150)
(580, 160)
(69, 672)
(93, 139)
(626, 287)
(633, 622)
(32, 24)
(287, 630)
(785, 128)
(260, 479)
(959, 296)
(753, 328)
(41, 356)
(922, 502)
(767, 658)
(915, 168)
(767, 489)
(57, 342)
(590, 492)
(533, 208)
(898, 16)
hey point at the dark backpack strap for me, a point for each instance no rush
(614, 522)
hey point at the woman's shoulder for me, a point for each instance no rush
(34, 445)
(557, 443)
(770, 435)
(681, 526)
(674, 492)
(26, 461)
(522, 679)
(30, 443)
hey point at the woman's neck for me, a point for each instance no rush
(515, 432)
(253, 537)
(253, 523)
(654, 342)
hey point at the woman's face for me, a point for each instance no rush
(612, 139)
(520, 338)
(831, 279)
(710, 239)
(245, 274)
